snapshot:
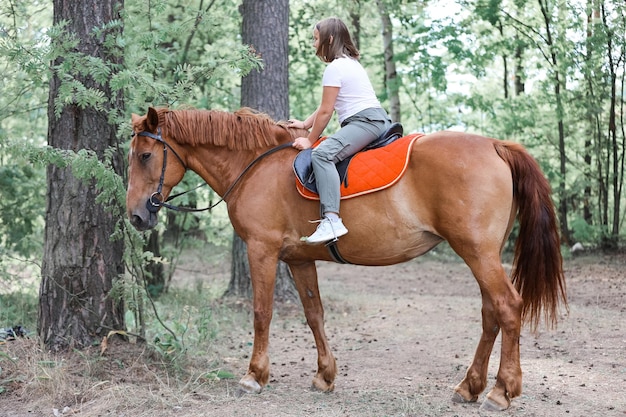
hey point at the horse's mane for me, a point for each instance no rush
(240, 130)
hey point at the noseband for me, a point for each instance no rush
(155, 202)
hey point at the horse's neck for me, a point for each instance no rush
(221, 166)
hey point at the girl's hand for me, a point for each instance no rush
(296, 124)
(302, 143)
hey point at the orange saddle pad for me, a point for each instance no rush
(372, 170)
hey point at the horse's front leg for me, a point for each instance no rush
(263, 275)
(305, 277)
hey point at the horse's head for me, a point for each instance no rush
(154, 168)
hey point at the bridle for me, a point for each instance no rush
(156, 201)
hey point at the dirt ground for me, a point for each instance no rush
(403, 337)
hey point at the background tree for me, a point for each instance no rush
(612, 27)
(554, 57)
(391, 75)
(80, 261)
(265, 90)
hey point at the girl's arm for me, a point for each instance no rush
(323, 113)
(319, 119)
(308, 123)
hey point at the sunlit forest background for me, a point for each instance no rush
(547, 73)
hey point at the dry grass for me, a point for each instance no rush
(128, 379)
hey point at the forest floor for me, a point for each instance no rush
(403, 337)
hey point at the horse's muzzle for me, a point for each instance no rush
(144, 219)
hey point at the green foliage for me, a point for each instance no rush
(19, 308)
(23, 52)
(182, 321)
(86, 166)
(22, 200)
(168, 345)
(219, 374)
(171, 59)
(584, 232)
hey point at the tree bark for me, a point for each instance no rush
(240, 284)
(266, 90)
(80, 262)
(616, 148)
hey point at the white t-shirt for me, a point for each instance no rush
(355, 89)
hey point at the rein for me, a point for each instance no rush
(155, 202)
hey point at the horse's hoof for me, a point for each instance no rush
(458, 398)
(319, 384)
(248, 385)
(490, 405)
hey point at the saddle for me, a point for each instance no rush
(304, 171)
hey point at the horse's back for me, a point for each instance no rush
(451, 147)
(458, 165)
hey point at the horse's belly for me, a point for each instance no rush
(387, 227)
(390, 254)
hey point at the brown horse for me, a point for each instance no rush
(462, 188)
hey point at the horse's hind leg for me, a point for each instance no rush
(475, 379)
(305, 277)
(501, 311)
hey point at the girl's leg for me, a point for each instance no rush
(350, 139)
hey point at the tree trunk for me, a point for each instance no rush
(505, 63)
(391, 75)
(240, 284)
(355, 20)
(520, 85)
(155, 275)
(266, 90)
(556, 78)
(616, 150)
(80, 262)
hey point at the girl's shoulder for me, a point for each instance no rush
(345, 62)
(343, 67)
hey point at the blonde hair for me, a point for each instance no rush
(334, 40)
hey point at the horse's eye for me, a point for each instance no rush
(145, 156)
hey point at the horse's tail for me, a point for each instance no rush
(537, 266)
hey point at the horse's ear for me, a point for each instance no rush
(152, 119)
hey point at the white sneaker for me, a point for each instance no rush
(327, 230)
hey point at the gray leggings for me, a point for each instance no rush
(356, 133)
